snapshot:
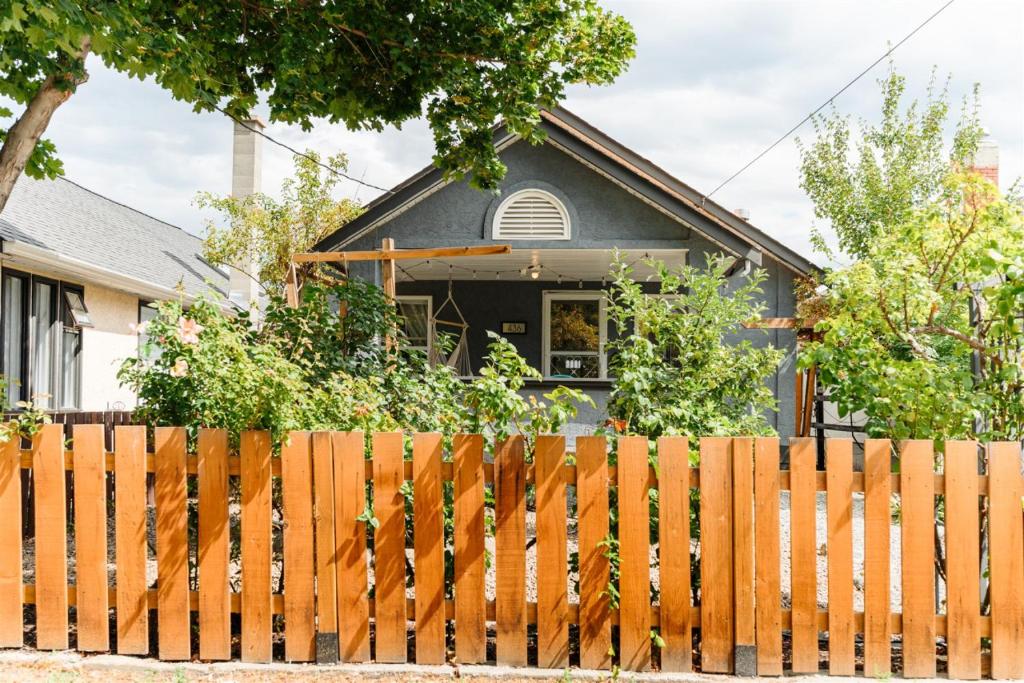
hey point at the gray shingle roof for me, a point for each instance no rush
(64, 217)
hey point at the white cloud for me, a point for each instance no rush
(714, 83)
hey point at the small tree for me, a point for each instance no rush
(925, 334)
(680, 364)
(867, 178)
(261, 230)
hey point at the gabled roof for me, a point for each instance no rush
(74, 225)
(587, 144)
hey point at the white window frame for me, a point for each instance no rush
(496, 232)
(602, 322)
(420, 298)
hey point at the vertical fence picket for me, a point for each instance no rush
(389, 547)
(1006, 560)
(768, 598)
(552, 570)
(917, 494)
(470, 605)
(324, 491)
(353, 603)
(839, 515)
(428, 539)
(803, 555)
(592, 506)
(12, 628)
(257, 614)
(877, 524)
(130, 540)
(744, 651)
(297, 512)
(716, 567)
(963, 561)
(328, 600)
(634, 555)
(214, 545)
(674, 552)
(172, 545)
(510, 551)
(51, 539)
(90, 477)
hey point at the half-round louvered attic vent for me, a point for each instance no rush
(531, 215)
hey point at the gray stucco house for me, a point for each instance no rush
(564, 207)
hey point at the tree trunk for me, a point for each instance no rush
(23, 136)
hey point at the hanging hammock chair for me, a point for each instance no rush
(442, 330)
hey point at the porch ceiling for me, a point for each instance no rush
(589, 265)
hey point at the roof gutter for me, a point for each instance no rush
(63, 265)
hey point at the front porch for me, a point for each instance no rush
(549, 303)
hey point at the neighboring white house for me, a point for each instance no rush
(77, 271)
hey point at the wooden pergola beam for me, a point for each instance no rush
(772, 324)
(399, 254)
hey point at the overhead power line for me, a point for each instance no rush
(308, 157)
(829, 100)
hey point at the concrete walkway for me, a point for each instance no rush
(68, 667)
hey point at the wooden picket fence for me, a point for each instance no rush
(328, 609)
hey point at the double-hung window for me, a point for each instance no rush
(575, 335)
(42, 322)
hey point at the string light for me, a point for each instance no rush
(534, 271)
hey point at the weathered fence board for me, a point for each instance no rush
(328, 569)
(327, 612)
(877, 529)
(214, 545)
(470, 598)
(510, 551)
(90, 479)
(389, 547)
(1006, 561)
(634, 554)
(917, 494)
(299, 576)
(428, 539)
(173, 628)
(839, 515)
(130, 540)
(963, 561)
(674, 549)
(255, 547)
(767, 561)
(51, 539)
(12, 631)
(803, 555)
(352, 579)
(552, 568)
(717, 608)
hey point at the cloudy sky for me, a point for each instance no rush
(713, 83)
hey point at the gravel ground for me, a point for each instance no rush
(858, 554)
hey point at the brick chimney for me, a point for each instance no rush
(246, 178)
(986, 161)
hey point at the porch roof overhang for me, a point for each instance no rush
(550, 265)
